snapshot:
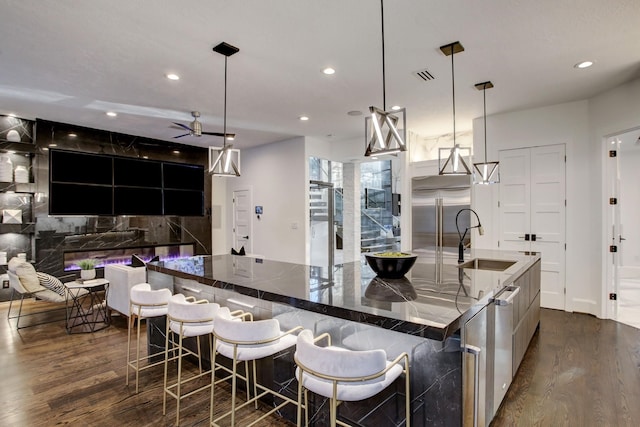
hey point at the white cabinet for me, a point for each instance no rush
(532, 206)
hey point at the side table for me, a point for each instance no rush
(87, 311)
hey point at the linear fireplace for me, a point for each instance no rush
(122, 255)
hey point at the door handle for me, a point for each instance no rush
(475, 351)
(620, 238)
(245, 237)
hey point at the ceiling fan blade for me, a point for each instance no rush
(229, 135)
(183, 126)
(180, 136)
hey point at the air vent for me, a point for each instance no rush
(424, 75)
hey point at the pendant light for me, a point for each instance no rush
(451, 160)
(381, 128)
(486, 172)
(225, 160)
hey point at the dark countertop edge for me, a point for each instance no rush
(404, 326)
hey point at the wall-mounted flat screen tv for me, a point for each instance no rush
(99, 184)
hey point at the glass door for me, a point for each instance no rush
(321, 223)
(624, 244)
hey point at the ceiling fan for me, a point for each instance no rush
(195, 128)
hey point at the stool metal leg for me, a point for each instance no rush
(138, 351)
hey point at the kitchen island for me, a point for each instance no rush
(425, 314)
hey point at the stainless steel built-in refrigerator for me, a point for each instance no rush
(435, 202)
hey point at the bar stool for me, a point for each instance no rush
(187, 318)
(144, 303)
(248, 341)
(344, 375)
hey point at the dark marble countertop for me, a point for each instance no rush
(432, 300)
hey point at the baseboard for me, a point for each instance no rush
(584, 306)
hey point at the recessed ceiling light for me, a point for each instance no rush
(45, 149)
(111, 113)
(231, 138)
(145, 157)
(396, 107)
(303, 118)
(354, 113)
(172, 76)
(176, 152)
(329, 71)
(72, 135)
(53, 145)
(583, 64)
(11, 114)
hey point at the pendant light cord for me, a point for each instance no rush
(484, 97)
(224, 127)
(453, 92)
(384, 92)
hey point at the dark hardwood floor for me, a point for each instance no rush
(578, 371)
(49, 378)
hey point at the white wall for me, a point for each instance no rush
(276, 174)
(557, 124)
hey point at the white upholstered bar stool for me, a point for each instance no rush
(187, 318)
(144, 303)
(344, 375)
(248, 341)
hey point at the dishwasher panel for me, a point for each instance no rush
(503, 352)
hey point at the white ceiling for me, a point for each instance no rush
(72, 60)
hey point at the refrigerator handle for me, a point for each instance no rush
(475, 352)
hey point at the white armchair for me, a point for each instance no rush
(121, 279)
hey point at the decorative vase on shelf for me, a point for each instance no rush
(6, 169)
(21, 175)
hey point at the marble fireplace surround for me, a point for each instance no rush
(57, 235)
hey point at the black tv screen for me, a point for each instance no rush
(137, 201)
(99, 184)
(137, 173)
(184, 177)
(80, 199)
(183, 202)
(80, 168)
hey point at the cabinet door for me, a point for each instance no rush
(532, 203)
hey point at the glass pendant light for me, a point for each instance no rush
(485, 172)
(384, 130)
(451, 160)
(225, 160)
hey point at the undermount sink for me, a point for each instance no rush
(486, 264)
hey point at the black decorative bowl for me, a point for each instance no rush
(392, 266)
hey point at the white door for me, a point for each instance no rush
(532, 212)
(242, 220)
